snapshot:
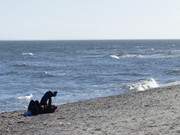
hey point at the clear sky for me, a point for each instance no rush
(89, 19)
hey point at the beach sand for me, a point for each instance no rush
(153, 112)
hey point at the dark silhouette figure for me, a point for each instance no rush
(46, 101)
(45, 106)
(34, 107)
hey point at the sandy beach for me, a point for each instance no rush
(153, 112)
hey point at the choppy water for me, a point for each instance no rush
(81, 70)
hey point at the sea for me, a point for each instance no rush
(82, 70)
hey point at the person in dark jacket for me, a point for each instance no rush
(46, 101)
(34, 108)
(45, 106)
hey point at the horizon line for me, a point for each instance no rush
(87, 39)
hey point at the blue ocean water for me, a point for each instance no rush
(81, 70)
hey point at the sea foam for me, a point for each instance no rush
(28, 54)
(114, 56)
(143, 85)
(156, 55)
(171, 84)
(27, 98)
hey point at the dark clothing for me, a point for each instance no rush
(45, 106)
(34, 107)
(46, 99)
(50, 109)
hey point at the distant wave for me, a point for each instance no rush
(27, 54)
(158, 55)
(152, 49)
(173, 72)
(114, 56)
(42, 66)
(132, 74)
(44, 74)
(142, 85)
(47, 74)
(126, 56)
(132, 56)
(8, 73)
(173, 45)
(21, 65)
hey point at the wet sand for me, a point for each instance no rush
(153, 112)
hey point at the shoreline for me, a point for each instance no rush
(154, 111)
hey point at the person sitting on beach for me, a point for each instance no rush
(45, 106)
(46, 102)
(34, 107)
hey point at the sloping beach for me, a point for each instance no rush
(152, 112)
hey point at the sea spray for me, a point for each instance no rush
(26, 98)
(142, 85)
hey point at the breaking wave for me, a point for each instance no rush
(127, 56)
(26, 98)
(151, 56)
(114, 56)
(142, 85)
(27, 54)
(155, 55)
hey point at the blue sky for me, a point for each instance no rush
(89, 19)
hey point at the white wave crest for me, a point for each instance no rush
(28, 54)
(114, 56)
(171, 84)
(27, 98)
(132, 56)
(143, 85)
(152, 49)
(157, 55)
(47, 74)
